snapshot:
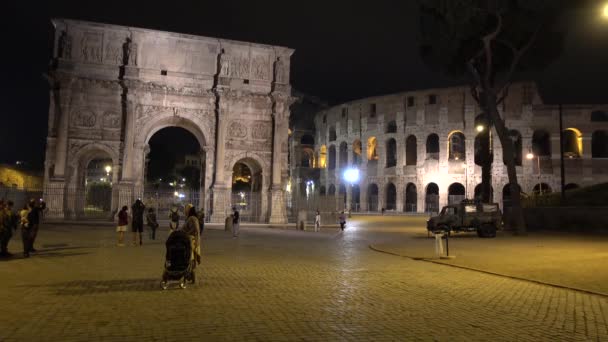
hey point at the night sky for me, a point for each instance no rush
(344, 50)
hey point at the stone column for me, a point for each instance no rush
(62, 129)
(221, 190)
(128, 152)
(278, 213)
(400, 203)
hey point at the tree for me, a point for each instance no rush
(489, 41)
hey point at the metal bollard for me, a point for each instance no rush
(438, 245)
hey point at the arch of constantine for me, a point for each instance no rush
(113, 87)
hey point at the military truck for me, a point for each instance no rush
(467, 216)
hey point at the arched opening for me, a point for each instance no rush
(573, 143)
(355, 198)
(307, 139)
(307, 158)
(432, 147)
(541, 189)
(357, 150)
(322, 191)
(391, 153)
(322, 161)
(456, 193)
(571, 186)
(332, 190)
(456, 146)
(391, 127)
(478, 193)
(506, 195)
(372, 197)
(342, 193)
(98, 180)
(331, 158)
(411, 198)
(343, 155)
(174, 169)
(515, 138)
(599, 144)
(411, 150)
(431, 201)
(332, 133)
(372, 154)
(247, 185)
(599, 116)
(482, 149)
(541, 143)
(391, 197)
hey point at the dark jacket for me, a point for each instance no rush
(123, 218)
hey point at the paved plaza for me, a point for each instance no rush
(278, 285)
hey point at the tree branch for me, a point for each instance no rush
(517, 55)
(487, 44)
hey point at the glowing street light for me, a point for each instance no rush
(480, 128)
(351, 175)
(606, 11)
(531, 156)
(108, 168)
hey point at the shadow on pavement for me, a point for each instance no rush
(85, 287)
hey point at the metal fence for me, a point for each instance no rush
(328, 206)
(19, 196)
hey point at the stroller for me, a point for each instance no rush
(179, 261)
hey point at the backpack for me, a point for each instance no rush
(174, 216)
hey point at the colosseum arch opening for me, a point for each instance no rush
(331, 191)
(478, 193)
(372, 153)
(456, 146)
(515, 138)
(456, 193)
(391, 197)
(343, 154)
(573, 143)
(411, 151)
(541, 148)
(355, 198)
(342, 193)
(331, 158)
(599, 144)
(372, 197)
(506, 195)
(357, 150)
(431, 200)
(432, 147)
(322, 160)
(391, 153)
(411, 198)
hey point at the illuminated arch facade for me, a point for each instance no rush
(435, 143)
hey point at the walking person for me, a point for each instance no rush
(123, 223)
(235, 222)
(137, 223)
(192, 228)
(173, 220)
(152, 223)
(317, 221)
(342, 219)
(201, 220)
(10, 222)
(33, 218)
(25, 231)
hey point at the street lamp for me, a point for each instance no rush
(108, 168)
(479, 128)
(531, 156)
(606, 11)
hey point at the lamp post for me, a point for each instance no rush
(531, 156)
(108, 169)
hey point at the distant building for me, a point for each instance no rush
(13, 176)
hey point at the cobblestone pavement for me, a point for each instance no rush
(276, 285)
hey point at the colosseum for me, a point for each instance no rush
(418, 151)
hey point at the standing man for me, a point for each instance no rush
(10, 223)
(33, 218)
(137, 224)
(235, 222)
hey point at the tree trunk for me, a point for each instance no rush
(515, 220)
(486, 166)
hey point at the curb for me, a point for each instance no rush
(600, 294)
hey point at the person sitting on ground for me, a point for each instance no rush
(152, 223)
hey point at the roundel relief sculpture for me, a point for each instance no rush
(84, 117)
(237, 130)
